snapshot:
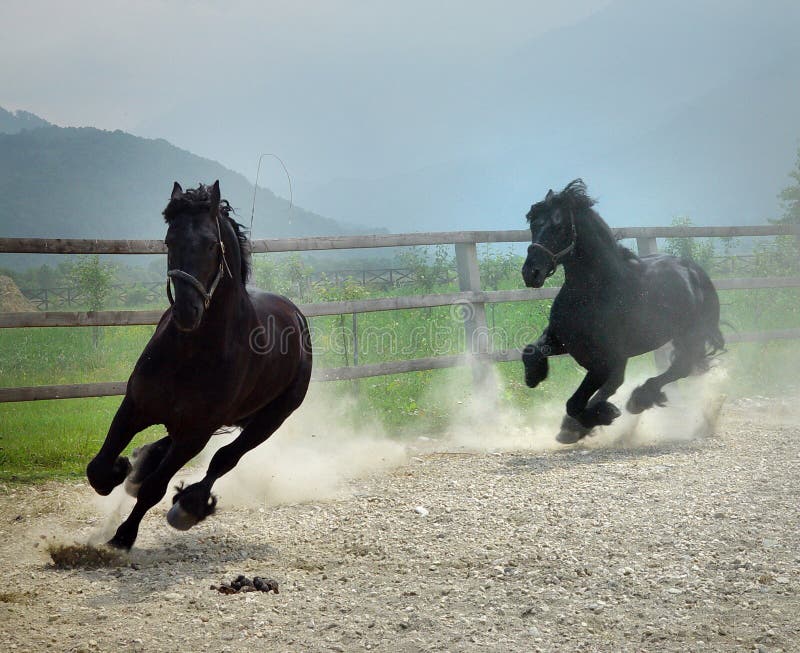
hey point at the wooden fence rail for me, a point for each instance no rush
(90, 246)
(319, 309)
(469, 283)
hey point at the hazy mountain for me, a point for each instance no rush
(665, 108)
(12, 122)
(87, 183)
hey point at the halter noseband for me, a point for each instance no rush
(195, 282)
(555, 258)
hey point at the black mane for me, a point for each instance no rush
(198, 200)
(574, 197)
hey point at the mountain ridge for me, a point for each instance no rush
(82, 182)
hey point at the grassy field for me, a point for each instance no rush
(56, 438)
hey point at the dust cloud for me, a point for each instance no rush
(330, 441)
(312, 456)
(481, 423)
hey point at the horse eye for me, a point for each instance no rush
(557, 217)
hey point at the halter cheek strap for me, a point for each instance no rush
(557, 256)
(197, 284)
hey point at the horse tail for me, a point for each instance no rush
(713, 340)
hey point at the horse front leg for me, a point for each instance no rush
(600, 411)
(534, 357)
(108, 468)
(578, 422)
(154, 487)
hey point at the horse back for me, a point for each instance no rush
(657, 299)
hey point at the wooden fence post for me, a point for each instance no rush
(475, 326)
(647, 246)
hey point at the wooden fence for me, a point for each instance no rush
(146, 292)
(468, 276)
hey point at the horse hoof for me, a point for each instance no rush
(568, 437)
(571, 431)
(179, 518)
(117, 543)
(642, 399)
(637, 402)
(104, 481)
(604, 413)
(536, 366)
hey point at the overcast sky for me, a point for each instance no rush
(422, 112)
(130, 65)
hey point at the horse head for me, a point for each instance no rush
(553, 234)
(196, 260)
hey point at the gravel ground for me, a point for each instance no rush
(677, 547)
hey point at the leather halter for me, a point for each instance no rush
(195, 282)
(555, 258)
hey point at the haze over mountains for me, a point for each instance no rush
(665, 108)
(89, 183)
(421, 116)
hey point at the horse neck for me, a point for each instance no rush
(596, 259)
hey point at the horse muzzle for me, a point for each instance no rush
(187, 315)
(533, 277)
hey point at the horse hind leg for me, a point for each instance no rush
(154, 487)
(192, 504)
(688, 355)
(144, 461)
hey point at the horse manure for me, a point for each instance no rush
(244, 584)
(83, 556)
(265, 584)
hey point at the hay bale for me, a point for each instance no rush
(11, 299)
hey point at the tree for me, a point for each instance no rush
(790, 197)
(428, 271)
(695, 249)
(496, 267)
(781, 255)
(349, 289)
(93, 278)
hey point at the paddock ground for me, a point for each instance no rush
(689, 546)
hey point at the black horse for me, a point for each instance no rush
(220, 356)
(613, 305)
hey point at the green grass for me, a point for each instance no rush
(49, 439)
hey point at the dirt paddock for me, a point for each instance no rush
(675, 547)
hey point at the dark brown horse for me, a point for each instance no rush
(220, 356)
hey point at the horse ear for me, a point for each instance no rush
(215, 198)
(550, 195)
(177, 191)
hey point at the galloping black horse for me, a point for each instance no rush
(613, 305)
(220, 356)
